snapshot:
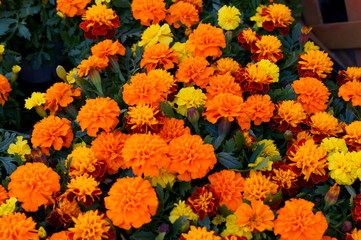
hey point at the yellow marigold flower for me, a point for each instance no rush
(72, 75)
(199, 233)
(257, 186)
(142, 117)
(182, 51)
(353, 134)
(258, 18)
(156, 34)
(102, 1)
(187, 98)
(229, 17)
(181, 209)
(2, 49)
(315, 63)
(342, 167)
(16, 69)
(83, 189)
(164, 178)
(36, 99)
(8, 206)
(269, 149)
(225, 65)
(333, 144)
(356, 156)
(232, 228)
(21, 148)
(291, 112)
(270, 68)
(355, 234)
(16, 226)
(325, 124)
(309, 45)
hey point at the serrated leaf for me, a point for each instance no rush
(8, 138)
(227, 160)
(5, 25)
(184, 187)
(8, 164)
(167, 109)
(24, 32)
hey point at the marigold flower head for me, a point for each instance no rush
(342, 167)
(52, 132)
(99, 21)
(182, 51)
(159, 56)
(21, 148)
(63, 211)
(33, 184)
(190, 157)
(228, 185)
(351, 90)
(315, 63)
(259, 108)
(98, 113)
(145, 154)
(223, 83)
(297, 221)
(258, 18)
(247, 38)
(16, 226)
(149, 12)
(290, 113)
(227, 65)
(72, 76)
(232, 228)
(131, 202)
(284, 176)
(156, 34)
(257, 186)
(313, 94)
(107, 48)
(142, 118)
(277, 16)
(206, 40)
(163, 179)
(271, 69)
(269, 148)
(187, 98)
(334, 144)
(3, 194)
(63, 235)
(83, 188)
(325, 124)
(267, 47)
(93, 63)
(36, 99)
(173, 128)
(229, 17)
(183, 12)
(204, 202)
(181, 209)
(71, 8)
(354, 235)
(8, 207)
(199, 233)
(353, 134)
(349, 75)
(309, 45)
(5, 88)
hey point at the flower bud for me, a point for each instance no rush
(193, 115)
(60, 71)
(332, 195)
(224, 126)
(346, 226)
(288, 135)
(60, 14)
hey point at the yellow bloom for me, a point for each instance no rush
(310, 46)
(102, 1)
(270, 68)
(36, 99)
(232, 228)
(164, 178)
(342, 167)
(182, 51)
(229, 17)
(333, 144)
(16, 69)
(72, 75)
(2, 49)
(156, 34)
(42, 232)
(269, 149)
(187, 98)
(258, 18)
(20, 148)
(260, 160)
(8, 206)
(181, 209)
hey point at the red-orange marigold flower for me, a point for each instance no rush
(227, 65)
(199, 233)
(142, 118)
(325, 124)
(290, 113)
(52, 132)
(183, 12)
(83, 189)
(267, 47)
(222, 83)
(353, 134)
(3, 194)
(349, 75)
(204, 202)
(351, 91)
(33, 184)
(131, 202)
(257, 186)
(93, 63)
(277, 16)
(98, 113)
(72, 7)
(108, 48)
(173, 128)
(148, 11)
(16, 226)
(5, 88)
(248, 38)
(62, 213)
(315, 63)
(159, 56)
(259, 108)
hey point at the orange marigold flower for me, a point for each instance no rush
(349, 75)
(248, 38)
(131, 202)
(98, 113)
(159, 56)
(313, 94)
(257, 186)
(277, 15)
(165, 82)
(296, 221)
(259, 108)
(223, 83)
(256, 216)
(204, 202)
(353, 134)
(145, 154)
(83, 189)
(142, 118)
(93, 63)
(16, 226)
(33, 184)
(310, 158)
(267, 47)
(173, 128)
(183, 12)
(5, 88)
(190, 157)
(60, 95)
(194, 70)
(315, 63)
(227, 65)
(62, 214)
(72, 7)
(197, 3)
(351, 90)
(325, 124)
(63, 235)
(148, 12)
(99, 21)
(290, 113)
(52, 131)
(108, 148)
(206, 40)
(90, 225)
(228, 185)
(3, 194)
(199, 233)
(108, 48)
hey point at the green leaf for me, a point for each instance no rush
(225, 211)
(227, 160)
(240, 140)
(8, 164)
(263, 164)
(256, 153)
(167, 109)
(5, 25)
(8, 138)
(184, 187)
(121, 3)
(176, 227)
(142, 235)
(24, 32)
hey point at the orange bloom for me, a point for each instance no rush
(72, 7)
(256, 216)
(267, 47)
(99, 21)
(3, 194)
(228, 185)
(206, 40)
(204, 202)
(93, 63)
(60, 95)
(148, 12)
(259, 108)
(165, 83)
(227, 65)
(199, 233)
(349, 75)
(315, 63)
(16, 226)
(108, 48)
(248, 38)
(142, 118)
(284, 176)
(197, 3)
(296, 221)
(325, 124)
(258, 186)
(33, 184)
(277, 15)
(62, 213)
(98, 113)
(222, 83)
(131, 202)
(353, 134)
(63, 235)
(107, 147)
(194, 70)
(290, 113)
(159, 56)
(351, 91)
(5, 88)
(52, 132)
(83, 189)
(313, 94)
(190, 157)
(173, 128)
(183, 12)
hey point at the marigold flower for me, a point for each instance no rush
(159, 56)
(145, 154)
(199, 233)
(107, 48)
(269, 148)
(99, 21)
(33, 184)
(227, 65)
(349, 75)
(257, 186)
(71, 8)
(156, 34)
(342, 166)
(190, 157)
(163, 179)
(334, 144)
(173, 128)
(290, 113)
(148, 12)
(182, 51)
(16, 226)
(3, 194)
(234, 237)
(258, 18)
(310, 46)
(5, 88)
(181, 209)
(247, 38)
(232, 228)
(107, 147)
(353, 134)
(228, 185)
(229, 17)
(297, 221)
(90, 225)
(142, 118)
(183, 12)
(354, 235)
(72, 76)
(63, 211)
(98, 113)
(259, 108)
(351, 90)
(36, 99)
(277, 15)
(325, 124)
(93, 63)
(206, 40)
(284, 175)
(83, 189)
(204, 202)
(52, 132)
(20, 148)
(8, 207)
(315, 63)
(223, 83)
(313, 94)
(187, 98)
(165, 82)
(63, 235)
(267, 47)
(131, 202)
